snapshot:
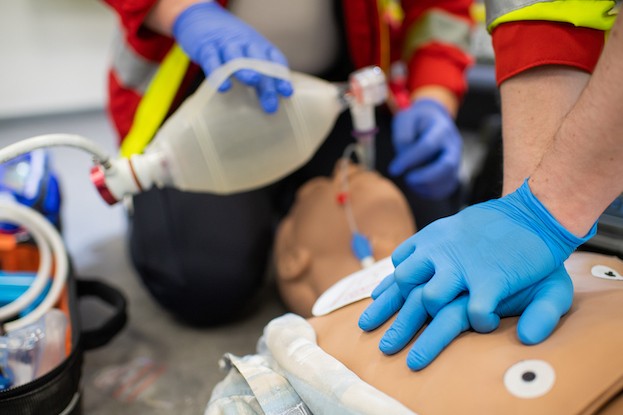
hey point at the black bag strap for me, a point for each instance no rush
(94, 338)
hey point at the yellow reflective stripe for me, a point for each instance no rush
(156, 102)
(593, 14)
(392, 11)
(384, 52)
(437, 26)
(477, 12)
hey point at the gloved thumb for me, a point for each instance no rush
(549, 304)
(481, 309)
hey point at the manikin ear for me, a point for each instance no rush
(291, 259)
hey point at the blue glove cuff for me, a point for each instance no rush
(557, 234)
(430, 102)
(190, 13)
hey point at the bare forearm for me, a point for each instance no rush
(581, 174)
(162, 16)
(534, 103)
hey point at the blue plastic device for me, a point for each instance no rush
(14, 284)
(30, 181)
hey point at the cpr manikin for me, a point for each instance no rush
(313, 242)
(578, 370)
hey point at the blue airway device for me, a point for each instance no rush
(362, 249)
(361, 246)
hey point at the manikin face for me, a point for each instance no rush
(312, 248)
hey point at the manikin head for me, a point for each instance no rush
(313, 243)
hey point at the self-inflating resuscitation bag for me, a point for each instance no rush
(225, 143)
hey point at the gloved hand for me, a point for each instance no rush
(540, 307)
(428, 149)
(211, 36)
(491, 250)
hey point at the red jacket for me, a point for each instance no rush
(368, 35)
(520, 46)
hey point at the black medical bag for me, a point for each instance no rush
(58, 392)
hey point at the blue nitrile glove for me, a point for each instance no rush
(212, 36)
(428, 149)
(540, 307)
(492, 250)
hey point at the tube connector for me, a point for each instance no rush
(368, 88)
(129, 176)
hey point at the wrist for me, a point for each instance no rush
(446, 98)
(572, 212)
(559, 234)
(164, 14)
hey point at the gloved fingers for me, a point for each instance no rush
(383, 285)
(423, 150)
(445, 327)
(501, 295)
(409, 321)
(235, 50)
(381, 309)
(436, 180)
(551, 301)
(284, 87)
(209, 60)
(482, 308)
(267, 94)
(412, 272)
(404, 129)
(266, 87)
(441, 290)
(403, 251)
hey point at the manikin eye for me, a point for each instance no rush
(529, 378)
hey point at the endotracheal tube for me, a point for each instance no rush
(360, 245)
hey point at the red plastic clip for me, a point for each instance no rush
(342, 197)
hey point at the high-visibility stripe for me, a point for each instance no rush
(132, 70)
(156, 102)
(384, 42)
(592, 14)
(392, 11)
(477, 12)
(437, 26)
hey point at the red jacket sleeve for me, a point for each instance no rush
(144, 41)
(437, 62)
(519, 46)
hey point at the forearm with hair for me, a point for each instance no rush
(582, 172)
(534, 103)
